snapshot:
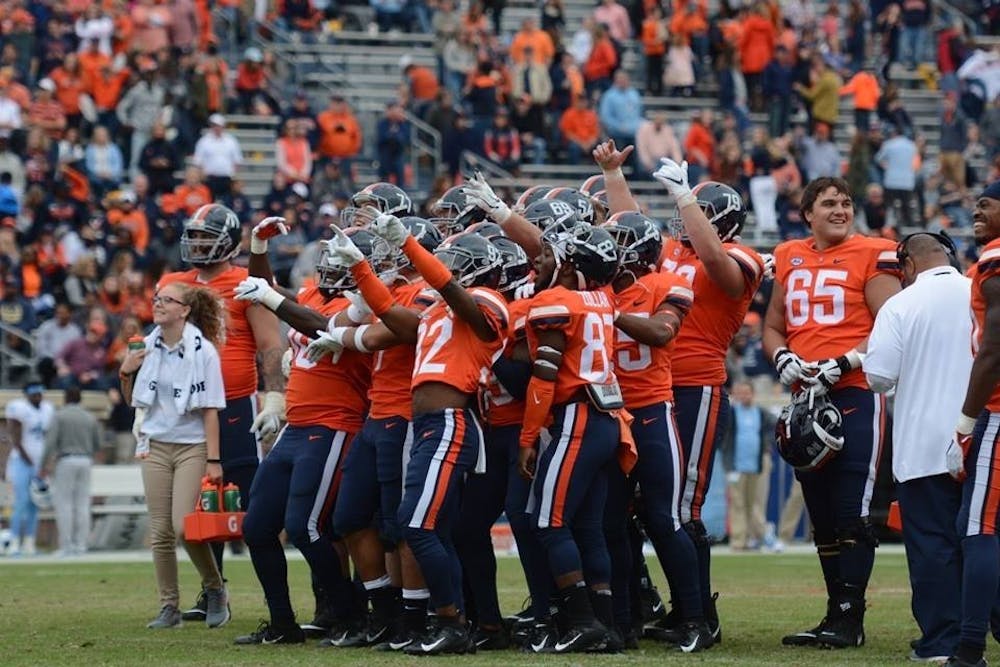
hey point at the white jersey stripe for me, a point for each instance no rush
(691, 479)
(866, 498)
(329, 471)
(433, 470)
(552, 474)
(984, 462)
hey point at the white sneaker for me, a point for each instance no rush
(778, 547)
(28, 546)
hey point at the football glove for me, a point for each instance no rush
(327, 342)
(264, 230)
(958, 448)
(258, 290)
(359, 311)
(478, 193)
(286, 363)
(268, 421)
(827, 372)
(342, 251)
(789, 365)
(674, 177)
(391, 229)
(768, 264)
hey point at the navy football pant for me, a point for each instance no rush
(295, 489)
(239, 451)
(445, 448)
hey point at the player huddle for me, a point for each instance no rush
(560, 362)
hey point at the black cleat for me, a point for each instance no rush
(267, 633)
(955, 661)
(694, 637)
(491, 640)
(712, 618)
(845, 627)
(582, 639)
(399, 640)
(349, 634)
(805, 637)
(447, 638)
(613, 642)
(630, 639)
(541, 639)
(320, 625)
(199, 611)
(664, 629)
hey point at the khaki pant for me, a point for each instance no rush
(171, 476)
(953, 167)
(71, 498)
(748, 507)
(791, 513)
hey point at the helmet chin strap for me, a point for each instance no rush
(581, 280)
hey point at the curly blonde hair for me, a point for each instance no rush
(208, 312)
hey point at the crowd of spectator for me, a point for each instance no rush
(113, 126)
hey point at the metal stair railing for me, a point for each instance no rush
(9, 357)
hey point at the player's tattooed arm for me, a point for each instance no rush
(266, 333)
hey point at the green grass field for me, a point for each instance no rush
(94, 614)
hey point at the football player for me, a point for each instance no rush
(724, 275)
(210, 240)
(974, 451)
(376, 198)
(501, 488)
(652, 306)
(458, 336)
(452, 214)
(296, 485)
(570, 333)
(827, 290)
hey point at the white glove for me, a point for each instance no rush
(286, 363)
(327, 342)
(955, 460)
(525, 291)
(674, 177)
(272, 413)
(342, 250)
(258, 290)
(789, 365)
(391, 229)
(768, 264)
(359, 311)
(265, 229)
(827, 372)
(478, 193)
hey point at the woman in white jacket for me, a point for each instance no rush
(177, 381)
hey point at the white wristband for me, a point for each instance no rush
(615, 173)
(965, 424)
(356, 315)
(502, 214)
(359, 333)
(257, 246)
(271, 298)
(686, 199)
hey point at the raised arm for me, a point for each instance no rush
(478, 193)
(259, 265)
(610, 160)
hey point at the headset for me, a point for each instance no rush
(941, 237)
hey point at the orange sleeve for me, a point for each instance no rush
(141, 231)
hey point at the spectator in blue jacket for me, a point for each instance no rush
(620, 110)
(9, 205)
(777, 80)
(393, 138)
(104, 162)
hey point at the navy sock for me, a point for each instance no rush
(436, 564)
(269, 563)
(980, 570)
(680, 558)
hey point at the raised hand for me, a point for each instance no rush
(391, 229)
(258, 290)
(608, 157)
(342, 251)
(478, 193)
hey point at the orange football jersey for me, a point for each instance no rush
(323, 393)
(588, 320)
(699, 357)
(643, 371)
(987, 267)
(448, 350)
(239, 354)
(502, 408)
(393, 368)
(826, 313)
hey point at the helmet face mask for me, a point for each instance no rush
(639, 241)
(809, 432)
(591, 251)
(452, 214)
(516, 265)
(384, 198)
(211, 236)
(723, 206)
(334, 278)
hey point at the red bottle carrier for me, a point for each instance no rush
(207, 523)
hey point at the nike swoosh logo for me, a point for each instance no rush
(232, 420)
(482, 641)
(535, 396)
(390, 425)
(537, 648)
(430, 647)
(559, 647)
(395, 646)
(647, 422)
(848, 411)
(314, 437)
(426, 434)
(264, 640)
(658, 606)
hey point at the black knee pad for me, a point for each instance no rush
(859, 532)
(697, 531)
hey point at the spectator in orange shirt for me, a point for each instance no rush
(16, 92)
(190, 195)
(601, 63)
(250, 77)
(293, 155)
(865, 89)
(69, 85)
(580, 129)
(654, 45)
(339, 133)
(539, 41)
(124, 213)
(152, 25)
(105, 88)
(690, 19)
(45, 112)
(756, 50)
(421, 83)
(699, 146)
(91, 62)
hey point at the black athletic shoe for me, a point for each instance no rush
(842, 632)
(665, 629)
(712, 618)
(582, 638)
(350, 634)
(399, 640)
(613, 642)
(695, 637)
(541, 639)
(805, 637)
(320, 625)
(447, 638)
(630, 639)
(272, 634)
(653, 609)
(955, 661)
(198, 611)
(491, 640)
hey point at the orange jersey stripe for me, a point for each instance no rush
(566, 473)
(446, 471)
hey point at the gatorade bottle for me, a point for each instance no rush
(136, 343)
(231, 498)
(209, 496)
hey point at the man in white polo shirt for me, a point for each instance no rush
(218, 154)
(920, 345)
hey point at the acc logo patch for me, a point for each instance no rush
(797, 261)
